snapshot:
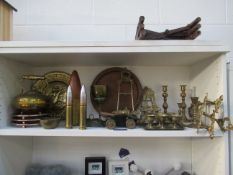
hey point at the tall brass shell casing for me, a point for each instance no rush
(69, 121)
(83, 108)
(75, 88)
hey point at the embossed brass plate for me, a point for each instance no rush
(54, 86)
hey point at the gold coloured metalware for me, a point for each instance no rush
(165, 95)
(54, 86)
(31, 100)
(149, 105)
(83, 108)
(69, 108)
(183, 95)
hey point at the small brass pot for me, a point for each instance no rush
(31, 101)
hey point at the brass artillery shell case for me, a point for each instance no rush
(75, 112)
(83, 114)
(69, 117)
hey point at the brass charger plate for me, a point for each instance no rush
(110, 78)
(54, 85)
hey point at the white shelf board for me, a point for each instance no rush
(133, 53)
(103, 132)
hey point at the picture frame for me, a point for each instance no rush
(118, 167)
(95, 166)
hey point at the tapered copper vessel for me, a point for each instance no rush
(75, 88)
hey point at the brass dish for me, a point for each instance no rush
(49, 123)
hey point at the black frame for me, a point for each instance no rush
(101, 160)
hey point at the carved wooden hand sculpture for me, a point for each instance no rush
(189, 32)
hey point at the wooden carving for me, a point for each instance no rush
(188, 32)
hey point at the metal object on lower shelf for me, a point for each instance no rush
(49, 123)
(155, 120)
(68, 108)
(183, 104)
(208, 113)
(83, 109)
(95, 122)
(31, 101)
(163, 121)
(25, 125)
(126, 120)
(107, 82)
(27, 120)
(54, 86)
(75, 85)
(123, 116)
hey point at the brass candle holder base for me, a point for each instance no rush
(163, 121)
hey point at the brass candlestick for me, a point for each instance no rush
(165, 95)
(180, 108)
(183, 95)
(194, 112)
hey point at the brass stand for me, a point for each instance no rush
(165, 95)
(180, 108)
(183, 106)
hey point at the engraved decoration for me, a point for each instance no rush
(54, 86)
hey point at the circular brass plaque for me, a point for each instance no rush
(54, 86)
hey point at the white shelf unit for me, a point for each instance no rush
(195, 63)
(104, 132)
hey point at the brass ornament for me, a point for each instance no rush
(149, 105)
(30, 101)
(165, 95)
(110, 123)
(201, 118)
(130, 123)
(183, 104)
(54, 86)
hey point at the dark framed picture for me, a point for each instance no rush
(95, 165)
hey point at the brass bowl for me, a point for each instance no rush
(49, 123)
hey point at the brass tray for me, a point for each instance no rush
(110, 78)
(54, 85)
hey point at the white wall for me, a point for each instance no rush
(115, 20)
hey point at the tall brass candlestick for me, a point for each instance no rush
(165, 95)
(180, 108)
(183, 95)
(83, 108)
(69, 108)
